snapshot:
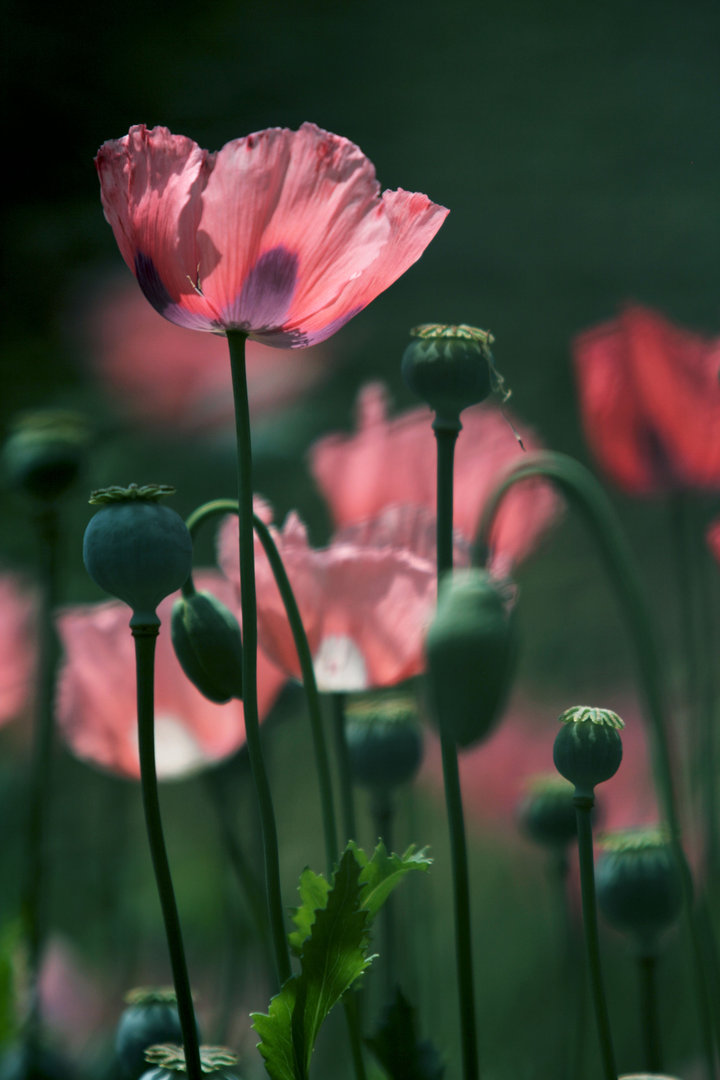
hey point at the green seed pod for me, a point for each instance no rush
(44, 452)
(384, 740)
(136, 549)
(639, 889)
(151, 1017)
(588, 747)
(449, 367)
(167, 1062)
(207, 642)
(470, 650)
(547, 812)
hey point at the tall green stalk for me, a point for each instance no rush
(342, 757)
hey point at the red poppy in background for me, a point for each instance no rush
(389, 461)
(650, 401)
(18, 649)
(281, 234)
(162, 375)
(365, 600)
(96, 707)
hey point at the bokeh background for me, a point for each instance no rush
(576, 147)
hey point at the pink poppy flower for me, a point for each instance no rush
(365, 600)
(650, 401)
(389, 461)
(96, 693)
(17, 647)
(164, 376)
(281, 234)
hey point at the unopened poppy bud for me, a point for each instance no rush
(167, 1062)
(151, 1017)
(207, 642)
(44, 452)
(449, 367)
(588, 747)
(547, 812)
(136, 549)
(384, 740)
(639, 889)
(470, 650)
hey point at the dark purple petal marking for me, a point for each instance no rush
(149, 281)
(268, 290)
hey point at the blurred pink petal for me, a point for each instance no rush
(282, 234)
(713, 539)
(365, 600)
(96, 693)
(17, 647)
(161, 375)
(650, 400)
(388, 461)
(72, 1003)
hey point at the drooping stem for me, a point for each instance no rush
(586, 495)
(145, 637)
(236, 343)
(647, 970)
(446, 438)
(342, 757)
(583, 808)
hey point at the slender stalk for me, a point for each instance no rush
(145, 638)
(236, 343)
(583, 808)
(647, 971)
(446, 438)
(383, 815)
(578, 484)
(347, 795)
(571, 1024)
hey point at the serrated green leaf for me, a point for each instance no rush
(398, 1049)
(383, 873)
(313, 889)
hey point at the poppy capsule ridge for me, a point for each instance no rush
(588, 747)
(470, 650)
(167, 1062)
(150, 1017)
(207, 642)
(450, 368)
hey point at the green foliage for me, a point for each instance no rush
(332, 941)
(11, 939)
(397, 1048)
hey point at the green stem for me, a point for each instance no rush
(383, 814)
(583, 808)
(446, 438)
(342, 757)
(145, 637)
(236, 343)
(581, 488)
(571, 1024)
(647, 970)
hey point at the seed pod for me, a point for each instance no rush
(638, 885)
(384, 740)
(449, 367)
(207, 642)
(136, 549)
(151, 1017)
(547, 812)
(44, 452)
(470, 650)
(167, 1062)
(588, 747)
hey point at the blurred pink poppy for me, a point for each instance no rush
(713, 539)
(17, 646)
(163, 376)
(650, 401)
(72, 1003)
(281, 234)
(388, 461)
(494, 775)
(365, 600)
(96, 693)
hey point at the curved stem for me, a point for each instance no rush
(647, 970)
(583, 807)
(236, 343)
(145, 638)
(446, 438)
(586, 495)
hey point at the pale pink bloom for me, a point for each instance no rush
(17, 647)
(164, 376)
(72, 1003)
(281, 234)
(365, 600)
(393, 460)
(97, 711)
(495, 774)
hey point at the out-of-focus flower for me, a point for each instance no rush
(281, 234)
(650, 400)
(72, 1005)
(97, 711)
(365, 600)
(390, 461)
(713, 539)
(162, 376)
(17, 646)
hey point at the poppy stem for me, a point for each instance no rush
(145, 637)
(342, 757)
(383, 815)
(572, 981)
(446, 438)
(647, 972)
(236, 343)
(584, 492)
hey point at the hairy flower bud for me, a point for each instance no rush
(470, 650)
(449, 367)
(207, 642)
(151, 1017)
(588, 747)
(136, 549)
(384, 740)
